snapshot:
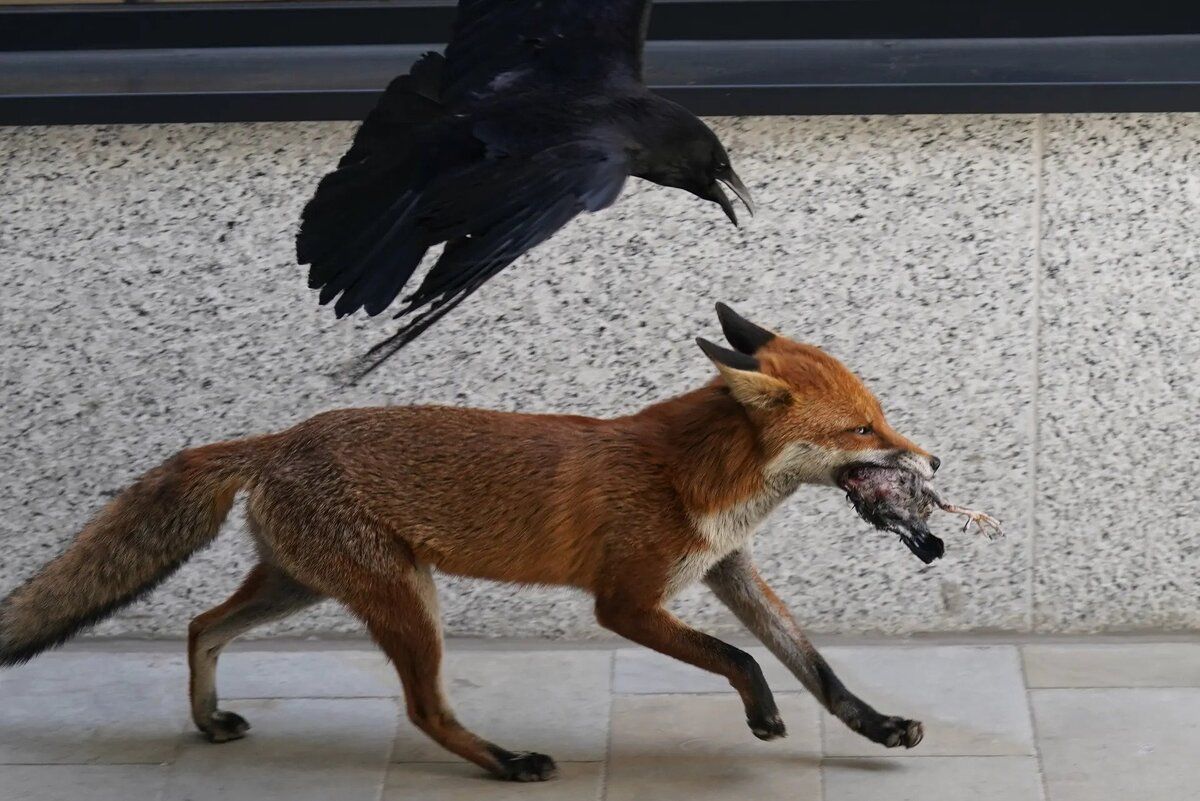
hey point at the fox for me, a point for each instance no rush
(365, 505)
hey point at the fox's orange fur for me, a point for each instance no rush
(361, 505)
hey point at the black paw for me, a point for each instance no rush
(225, 726)
(769, 727)
(527, 766)
(893, 732)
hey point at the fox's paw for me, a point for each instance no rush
(225, 726)
(526, 766)
(893, 732)
(769, 727)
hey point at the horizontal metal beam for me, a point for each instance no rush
(311, 23)
(1075, 74)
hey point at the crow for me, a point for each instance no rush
(536, 112)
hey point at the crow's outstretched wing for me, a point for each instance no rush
(348, 215)
(488, 213)
(498, 45)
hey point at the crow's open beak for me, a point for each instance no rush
(717, 194)
(738, 188)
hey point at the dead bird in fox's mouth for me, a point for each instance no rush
(900, 501)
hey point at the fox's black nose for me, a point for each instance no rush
(934, 463)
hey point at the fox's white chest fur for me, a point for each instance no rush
(730, 529)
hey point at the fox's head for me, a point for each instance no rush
(815, 419)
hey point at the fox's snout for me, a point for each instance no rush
(921, 463)
(908, 454)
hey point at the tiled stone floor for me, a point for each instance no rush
(1093, 721)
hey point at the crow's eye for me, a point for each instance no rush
(862, 431)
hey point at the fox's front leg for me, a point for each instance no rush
(650, 625)
(739, 586)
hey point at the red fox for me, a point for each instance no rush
(363, 505)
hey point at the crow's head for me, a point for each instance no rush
(684, 153)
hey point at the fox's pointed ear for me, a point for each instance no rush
(744, 335)
(741, 374)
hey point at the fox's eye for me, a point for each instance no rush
(862, 431)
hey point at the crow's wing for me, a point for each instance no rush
(498, 45)
(497, 213)
(488, 213)
(410, 101)
(523, 202)
(370, 185)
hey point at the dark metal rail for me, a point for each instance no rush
(321, 61)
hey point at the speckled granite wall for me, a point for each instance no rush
(1019, 290)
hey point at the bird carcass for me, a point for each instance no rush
(900, 501)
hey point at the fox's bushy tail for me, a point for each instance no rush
(140, 538)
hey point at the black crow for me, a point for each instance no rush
(536, 112)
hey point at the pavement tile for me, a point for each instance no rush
(1166, 664)
(81, 782)
(961, 778)
(442, 781)
(306, 674)
(552, 701)
(1119, 744)
(93, 725)
(697, 747)
(90, 707)
(971, 699)
(298, 749)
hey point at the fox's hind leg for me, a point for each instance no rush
(266, 594)
(404, 620)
